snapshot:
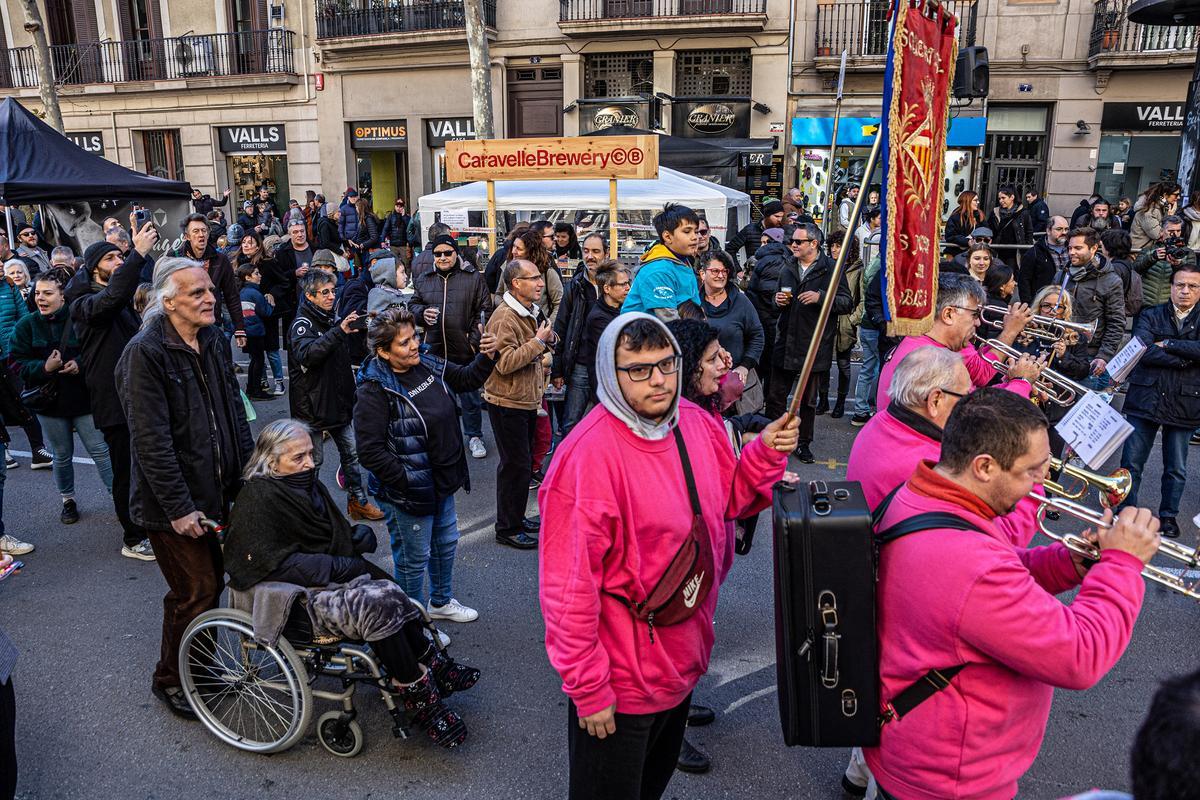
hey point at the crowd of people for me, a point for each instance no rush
(599, 378)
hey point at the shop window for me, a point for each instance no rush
(1015, 150)
(703, 73)
(162, 154)
(618, 74)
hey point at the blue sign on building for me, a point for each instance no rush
(861, 131)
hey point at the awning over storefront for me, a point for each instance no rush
(860, 131)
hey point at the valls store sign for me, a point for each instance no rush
(1142, 117)
(253, 139)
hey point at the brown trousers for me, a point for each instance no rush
(195, 574)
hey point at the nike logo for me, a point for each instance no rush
(692, 589)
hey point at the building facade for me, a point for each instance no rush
(325, 94)
(1081, 100)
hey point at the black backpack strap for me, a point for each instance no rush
(881, 509)
(687, 472)
(925, 522)
(930, 684)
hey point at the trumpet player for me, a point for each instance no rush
(1164, 391)
(1068, 355)
(983, 616)
(960, 300)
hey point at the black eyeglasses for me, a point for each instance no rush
(953, 393)
(442, 253)
(802, 241)
(977, 313)
(642, 372)
(703, 233)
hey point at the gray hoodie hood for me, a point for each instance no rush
(383, 272)
(609, 390)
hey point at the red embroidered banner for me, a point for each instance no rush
(920, 71)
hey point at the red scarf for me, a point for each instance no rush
(928, 483)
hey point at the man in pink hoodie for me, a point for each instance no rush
(615, 511)
(955, 320)
(968, 599)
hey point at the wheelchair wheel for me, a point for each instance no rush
(249, 696)
(343, 739)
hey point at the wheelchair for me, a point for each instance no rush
(259, 698)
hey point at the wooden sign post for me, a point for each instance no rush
(568, 158)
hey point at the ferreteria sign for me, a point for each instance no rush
(570, 157)
(253, 139)
(1142, 117)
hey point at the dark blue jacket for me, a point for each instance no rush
(255, 309)
(391, 433)
(347, 222)
(1164, 387)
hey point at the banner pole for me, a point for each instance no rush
(835, 278)
(612, 218)
(831, 201)
(491, 217)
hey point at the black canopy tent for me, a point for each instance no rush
(40, 165)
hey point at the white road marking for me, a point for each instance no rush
(76, 459)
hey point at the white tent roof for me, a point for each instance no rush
(592, 195)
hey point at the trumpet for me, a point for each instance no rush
(1112, 488)
(1049, 329)
(1090, 551)
(1058, 388)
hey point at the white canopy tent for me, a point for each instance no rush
(592, 195)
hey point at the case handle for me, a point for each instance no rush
(827, 604)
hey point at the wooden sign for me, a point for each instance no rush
(576, 157)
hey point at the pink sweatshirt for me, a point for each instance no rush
(885, 454)
(980, 370)
(948, 597)
(615, 510)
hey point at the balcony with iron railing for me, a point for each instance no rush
(860, 27)
(195, 56)
(592, 17)
(1117, 42)
(338, 19)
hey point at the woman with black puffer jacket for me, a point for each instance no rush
(407, 430)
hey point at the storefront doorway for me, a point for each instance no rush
(1139, 145)
(1015, 153)
(381, 161)
(256, 156)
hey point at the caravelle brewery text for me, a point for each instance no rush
(580, 157)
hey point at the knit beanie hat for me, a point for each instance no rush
(445, 238)
(773, 207)
(774, 234)
(323, 258)
(97, 251)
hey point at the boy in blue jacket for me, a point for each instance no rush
(666, 277)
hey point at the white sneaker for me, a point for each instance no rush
(442, 639)
(453, 611)
(142, 551)
(15, 547)
(475, 444)
(9, 461)
(279, 390)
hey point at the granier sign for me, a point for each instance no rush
(554, 158)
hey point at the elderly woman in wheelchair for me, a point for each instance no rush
(304, 601)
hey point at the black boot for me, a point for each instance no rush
(822, 405)
(451, 676)
(839, 408)
(431, 715)
(692, 760)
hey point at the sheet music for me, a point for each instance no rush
(1124, 362)
(1094, 430)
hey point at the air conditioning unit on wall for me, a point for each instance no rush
(194, 56)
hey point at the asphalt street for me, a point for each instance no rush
(87, 623)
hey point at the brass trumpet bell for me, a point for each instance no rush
(1113, 489)
(1050, 329)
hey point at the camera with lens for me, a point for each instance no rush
(1176, 248)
